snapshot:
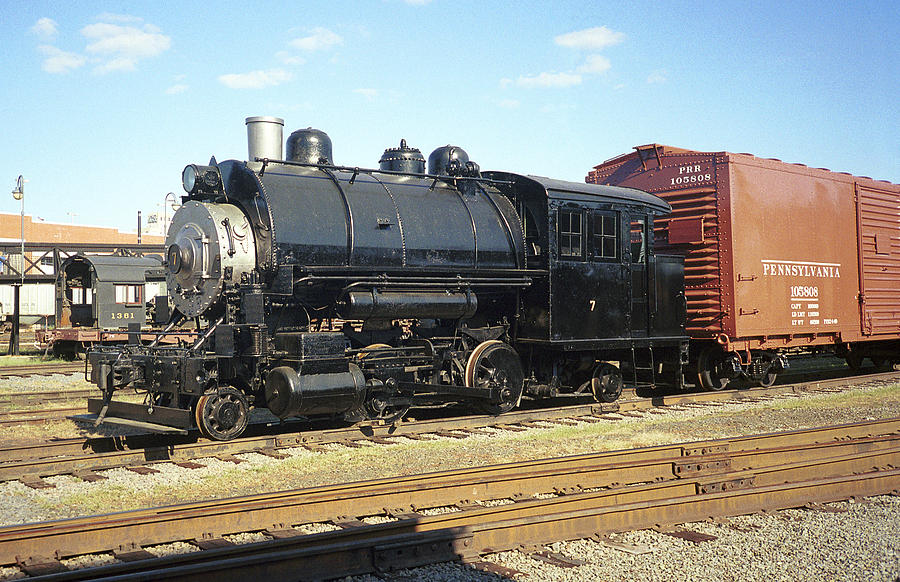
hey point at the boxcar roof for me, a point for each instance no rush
(649, 151)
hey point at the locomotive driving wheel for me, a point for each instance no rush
(379, 406)
(222, 414)
(379, 395)
(606, 383)
(496, 365)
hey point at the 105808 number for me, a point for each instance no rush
(802, 292)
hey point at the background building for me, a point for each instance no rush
(37, 299)
(53, 233)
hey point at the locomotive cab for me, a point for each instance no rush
(607, 299)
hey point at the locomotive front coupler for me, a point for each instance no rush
(111, 369)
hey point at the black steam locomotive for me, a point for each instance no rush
(341, 291)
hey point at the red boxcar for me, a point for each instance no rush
(778, 257)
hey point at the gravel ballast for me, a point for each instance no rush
(859, 544)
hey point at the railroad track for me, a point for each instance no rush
(84, 458)
(465, 514)
(45, 397)
(36, 417)
(41, 370)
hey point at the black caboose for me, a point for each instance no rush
(98, 297)
(341, 291)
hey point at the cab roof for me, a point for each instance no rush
(553, 188)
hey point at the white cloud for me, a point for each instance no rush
(45, 28)
(117, 64)
(508, 103)
(113, 17)
(369, 94)
(120, 47)
(320, 39)
(289, 59)
(595, 64)
(176, 89)
(125, 42)
(657, 77)
(256, 79)
(60, 61)
(115, 42)
(595, 38)
(545, 80)
(592, 39)
(417, 2)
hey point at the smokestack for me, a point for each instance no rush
(264, 138)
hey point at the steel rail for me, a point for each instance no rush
(45, 396)
(26, 398)
(417, 540)
(79, 455)
(20, 417)
(704, 467)
(41, 369)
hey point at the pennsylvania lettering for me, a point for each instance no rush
(799, 269)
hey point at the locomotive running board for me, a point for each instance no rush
(165, 419)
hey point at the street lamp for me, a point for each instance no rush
(18, 194)
(165, 224)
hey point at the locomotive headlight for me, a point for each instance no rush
(189, 178)
(196, 179)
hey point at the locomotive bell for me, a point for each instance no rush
(447, 160)
(309, 146)
(402, 159)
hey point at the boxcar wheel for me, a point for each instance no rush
(768, 379)
(883, 364)
(222, 414)
(854, 360)
(711, 370)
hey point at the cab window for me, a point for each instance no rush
(605, 236)
(130, 294)
(570, 228)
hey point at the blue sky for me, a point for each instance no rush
(104, 103)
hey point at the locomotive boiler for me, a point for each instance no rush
(320, 289)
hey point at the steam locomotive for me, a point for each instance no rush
(326, 290)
